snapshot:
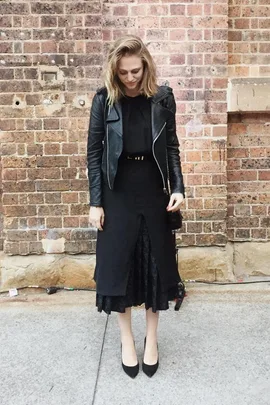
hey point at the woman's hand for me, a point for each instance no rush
(96, 217)
(175, 201)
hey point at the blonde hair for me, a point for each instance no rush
(129, 45)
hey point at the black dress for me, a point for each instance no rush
(138, 189)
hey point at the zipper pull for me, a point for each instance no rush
(165, 190)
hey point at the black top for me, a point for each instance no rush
(137, 134)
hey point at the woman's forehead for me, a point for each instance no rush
(130, 62)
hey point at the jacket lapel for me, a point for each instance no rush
(115, 118)
(158, 113)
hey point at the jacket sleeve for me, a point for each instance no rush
(96, 134)
(174, 163)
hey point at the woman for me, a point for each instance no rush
(132, 148)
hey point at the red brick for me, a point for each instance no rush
(10, 199)
(177, 9)
(46, 161)
(15, 86)
(5, 21)
(53, 198)
(20, 211)
(53, 222)
(70, 197)
(121, 10)
(14, 8)
(71, 222)
(264, 175)
(69, 173)
(50, 185)
(52, 149)
(176, 22)
(47, 8)
(53, 210)
(194, 9)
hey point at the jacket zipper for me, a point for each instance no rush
(107, 134)
(164, 186)
(108, 167)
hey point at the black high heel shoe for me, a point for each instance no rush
(131, 371)
(148, 369)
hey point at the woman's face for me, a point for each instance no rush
(130, 72)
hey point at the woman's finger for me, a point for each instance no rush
(175, 207)
(171, 202)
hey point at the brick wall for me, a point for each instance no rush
(248, 177)
(44, 122)
(249, 36)
(249, 133)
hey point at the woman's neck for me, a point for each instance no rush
(132, 93)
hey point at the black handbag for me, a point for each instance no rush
(175, 220)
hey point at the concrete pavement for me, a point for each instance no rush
(58, 350)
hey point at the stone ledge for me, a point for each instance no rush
(235, 260)
(249, 95)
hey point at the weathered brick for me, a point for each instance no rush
(53, 222)
(49, 47)
(48, 173)
(48, 34)
(5, 47)
(85, 60)
(51, 123)
(93, 21)
(48, 21)
(7, 149)
(17, 235)
(47, 8)
(15, 86)
(71, 222)
(20, 211)
(5, 21)
(18, 162)
(51, 136)
(31, 47)
(52, 149)
(79, 209)
(93, 34)
(69, 148)
(14, 8)
(49, 185)
(67, 47)
(10, 199)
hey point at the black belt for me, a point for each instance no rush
(137, 157)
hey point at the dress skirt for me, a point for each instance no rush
(136, 200)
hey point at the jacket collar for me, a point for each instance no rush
(158, 114)
(115, 111)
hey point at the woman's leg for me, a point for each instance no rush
(151, 352)
(129, 356)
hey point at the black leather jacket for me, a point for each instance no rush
(105, 142)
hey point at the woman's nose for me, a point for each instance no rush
(130, 77)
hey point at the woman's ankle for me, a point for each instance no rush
(151, 337)
(127, 338)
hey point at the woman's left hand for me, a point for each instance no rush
(175, 201)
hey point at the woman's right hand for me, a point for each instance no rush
(96, 217)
